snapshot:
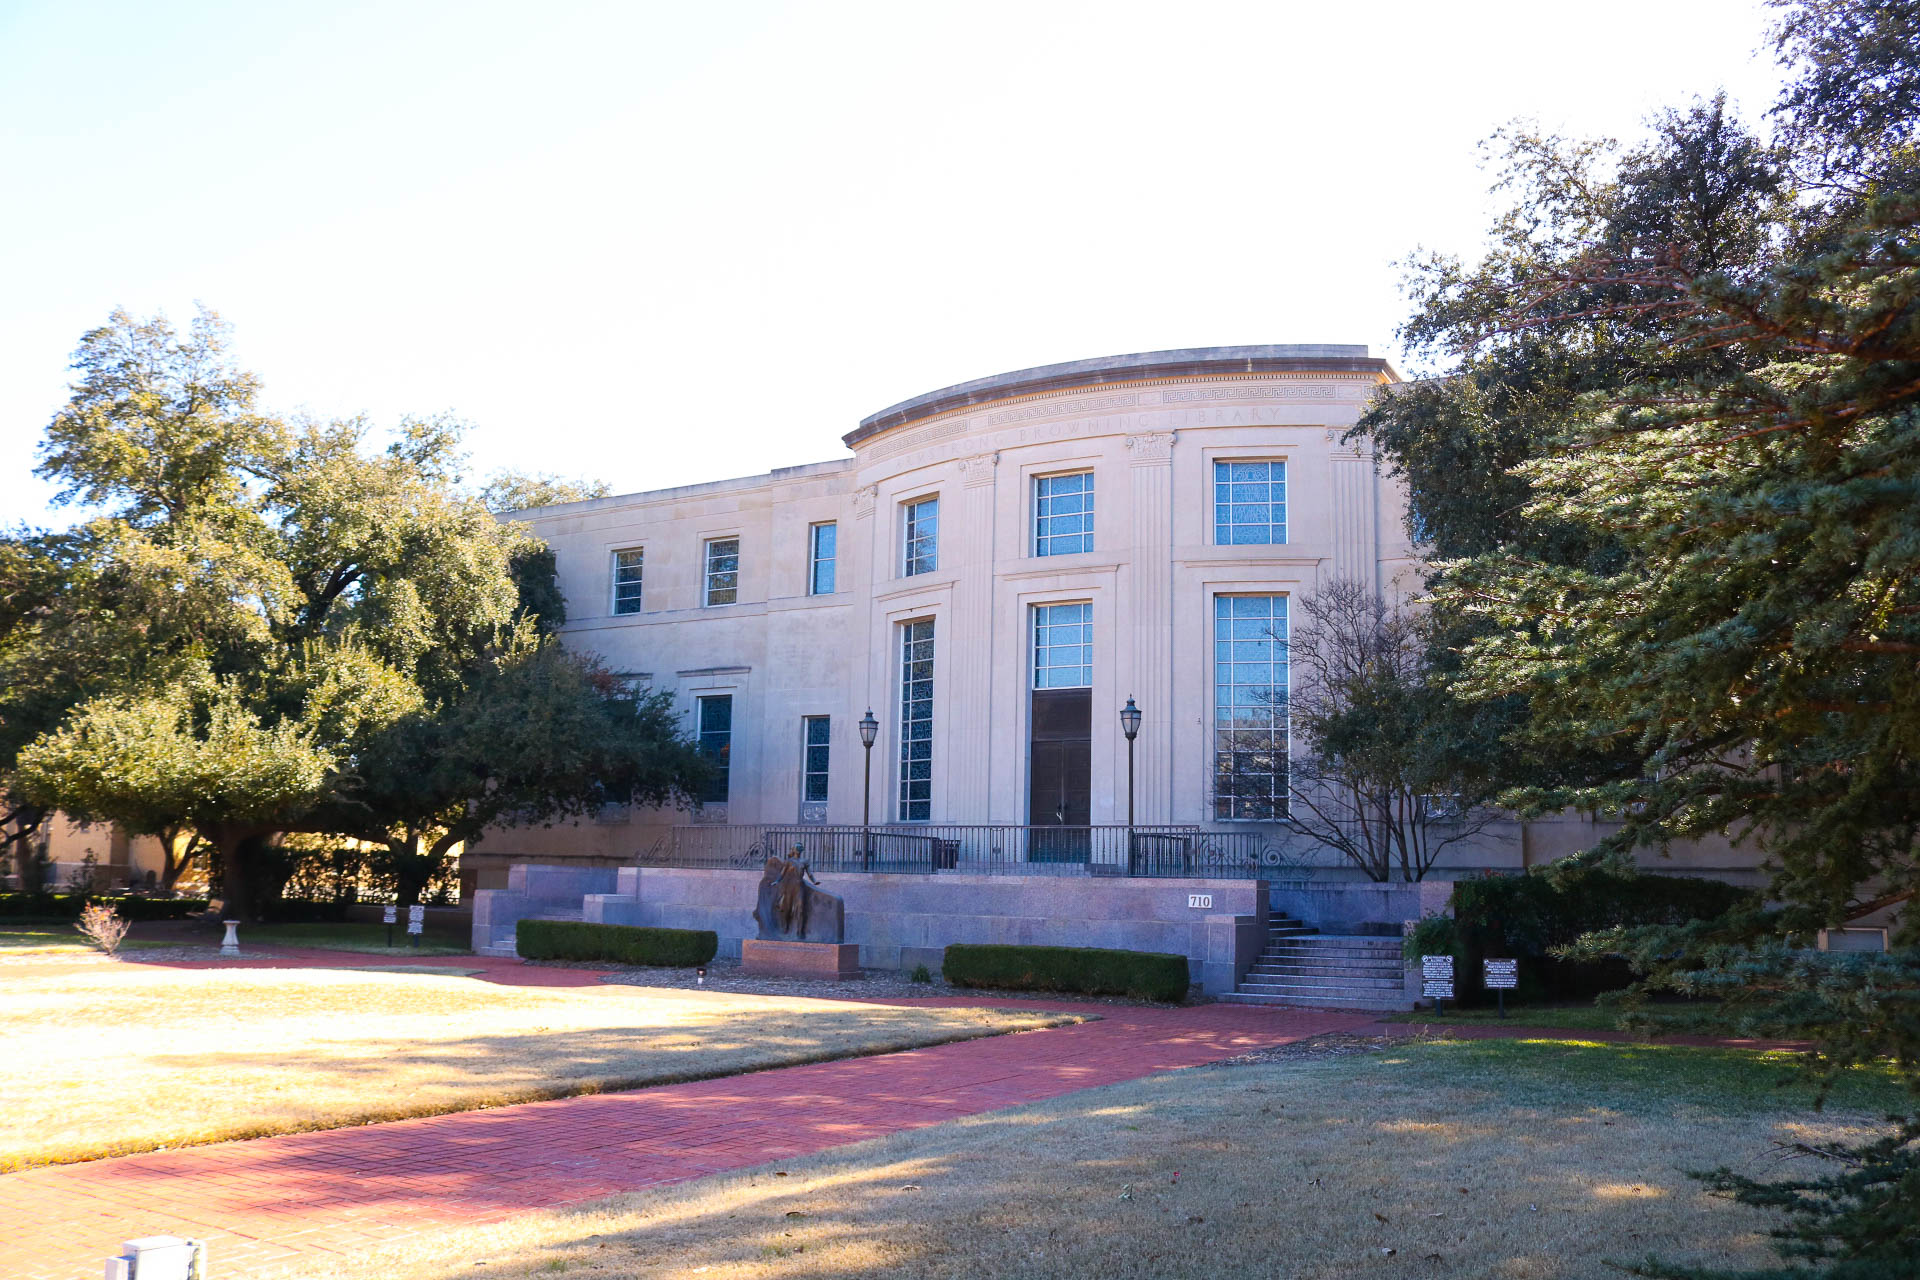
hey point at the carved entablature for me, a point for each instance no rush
(938, 431)
(1153, 448)
(1054, 407)
(1233, 392)
(863, 500)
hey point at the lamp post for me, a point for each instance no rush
(1130, 725)
(869, 729)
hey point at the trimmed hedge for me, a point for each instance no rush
(66, 906)
(155, 908)
(619, 943)
(1141, 975)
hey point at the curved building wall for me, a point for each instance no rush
(1150, 430)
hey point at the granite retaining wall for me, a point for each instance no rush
(900, 921)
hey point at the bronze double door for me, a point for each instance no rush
(1060, 772)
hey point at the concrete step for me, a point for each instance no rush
(1332, 995)
(1365, 1004)
(1323, 955)
(1336, 959)
(561, 913)
(1279, 984)
(1382, 974)
(1323, 942)
(1332, 955)
(497, 949)
(1363, 941)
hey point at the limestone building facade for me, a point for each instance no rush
(994, 570)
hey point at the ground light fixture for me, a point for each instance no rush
(1130, 725)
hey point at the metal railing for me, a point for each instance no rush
(1166, 851)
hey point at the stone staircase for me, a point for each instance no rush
(501, 939)
(534, 893)
(1303, 967)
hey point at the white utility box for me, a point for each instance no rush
(159, 1258)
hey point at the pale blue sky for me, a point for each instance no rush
(658, 244)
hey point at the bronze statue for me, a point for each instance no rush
(792, 908)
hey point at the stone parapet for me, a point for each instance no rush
(1362, 906)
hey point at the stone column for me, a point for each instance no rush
(1149, 602)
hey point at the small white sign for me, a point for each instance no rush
(1201, 901)
(1501, 975)
(416, 919)
(1436, 977)
(389, 915)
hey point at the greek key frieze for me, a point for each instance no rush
(1057, 408)
(1307, 391)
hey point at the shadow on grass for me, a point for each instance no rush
(1436, 1157)
(477, 1073)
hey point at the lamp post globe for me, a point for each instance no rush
(1130, 725)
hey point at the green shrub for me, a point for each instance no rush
(920, 974)
(1432, 936)
(1142, 975)
(44, 906)
(617, 943)
(67, 906)
(156, 908)
(1528, 916)
(1554, 905)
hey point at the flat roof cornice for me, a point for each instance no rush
(1138, 367)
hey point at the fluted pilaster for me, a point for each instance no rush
(1150, 618)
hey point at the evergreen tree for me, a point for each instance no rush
(1673, 486)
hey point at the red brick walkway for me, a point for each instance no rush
(265, 1204)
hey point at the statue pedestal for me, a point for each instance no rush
(800, 959)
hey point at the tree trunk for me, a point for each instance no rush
(228, 846)
(17, 830)
(175, 858)
(410, 882)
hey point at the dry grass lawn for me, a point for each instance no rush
(1465, 1160)
(128, 1058)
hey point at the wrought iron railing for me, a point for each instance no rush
(1166, 851)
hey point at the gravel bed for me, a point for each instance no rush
(873, 984)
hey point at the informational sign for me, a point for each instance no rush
(1501, 975)
(1436, 977)
(1203, 901)
(416, 919)
(389, 915)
